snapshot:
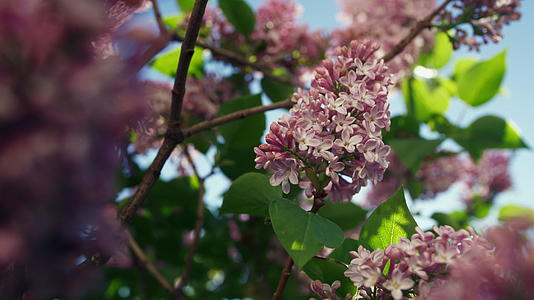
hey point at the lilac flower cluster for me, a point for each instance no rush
(489, 177)
(437, 175)
(485, 17)
(64, 113)
(332, 137)
(506, 273)
(278, 40)
(415, 264)
(484, 180)
(202, 100)
(386, 22)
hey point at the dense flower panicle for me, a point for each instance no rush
(396, 175)
(202, 100)
(437, 175)
(64, 113)
(414, 264)
(483, 180)
(278, 39)
(385, 22)
(506, 273)
(334, 129)
(486, 18)
(489, 177)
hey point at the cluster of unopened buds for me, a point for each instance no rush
(332, 137)
(410, 268)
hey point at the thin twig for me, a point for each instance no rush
(148, 265)
(284, 277)
(157, 15)
(239, 60)
(415, 31)
(199, 222)
(233, 116)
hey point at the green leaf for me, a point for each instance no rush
(441, 53)
(168, 62)
(427, 101)
(346, 215)
(327, 271)
(462, 65)
(302, 234)
(342, 252)
(172, 21)
(246, 131)
(512, 212)
(413, 151)
(276, 90)
(457, 219)
(389, 222)
(239, 14)
(489, 132)
(481, 82)
(236, 156)
(239, 199)
(186, 5)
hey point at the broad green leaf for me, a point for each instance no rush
(247, 131)
(489, 132)
(441, 53)
(327, 271)
(413, 151)
(457, 219)
(236, 156)
(342, 252)
(186, 5)
(302, 234)
(240, 200)
(167, 63)
(426, 100)
(239, 14)
(346, 215)
(481, 82)
(389, 222)
(276, 90)
(172, 21)
(511, 212)
(462, 65)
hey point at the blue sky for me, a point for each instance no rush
(516, 105)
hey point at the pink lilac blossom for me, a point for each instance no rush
(395, 176)
(506, 273)
(385, 22)
(437, 175)
(278, 40)
(414, 263)
(64, 112)
(324, 290)
(485, 17)
(202, 100)
(333, 131)
(489, 177)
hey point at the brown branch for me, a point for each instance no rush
(148, 181)
(186, 53)
(234, 116)
(149, 266)
(415, 31)
(199, 222)
(157, 15)
(174, 133)
(284, 277)
(239, 60)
